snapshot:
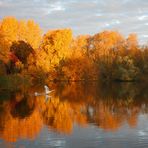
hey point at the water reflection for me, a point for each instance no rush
(22, 115)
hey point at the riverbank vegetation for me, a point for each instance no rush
(57, 55)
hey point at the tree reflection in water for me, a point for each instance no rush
(108, 107)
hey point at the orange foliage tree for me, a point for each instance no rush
(12, 30)
(55, 47)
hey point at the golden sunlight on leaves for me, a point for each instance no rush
(12, 30)
(55, 47)
(105, 56)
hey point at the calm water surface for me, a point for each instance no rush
(78, 115)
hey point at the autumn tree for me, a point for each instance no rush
(30, 33)
(105, 41)
(105, 45)
(80, 46)
(54, 48)
(79, 65)
(8, 34)
(21, 50)
(12, 30)
(125, 69)
(132, 42)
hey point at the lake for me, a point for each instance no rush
(76, 115)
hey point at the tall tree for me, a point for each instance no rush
(12, 30)
(54, 48)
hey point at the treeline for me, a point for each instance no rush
(57, 55)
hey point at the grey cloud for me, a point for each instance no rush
(83, 16)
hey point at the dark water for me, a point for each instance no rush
(78, 115)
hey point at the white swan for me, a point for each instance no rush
(36, 94)
(47, 91)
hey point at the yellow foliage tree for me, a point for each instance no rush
(105, 41)
(12, 30)
(8, 34)
(80, 46)
(54, 48)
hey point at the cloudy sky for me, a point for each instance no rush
(83, 16)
